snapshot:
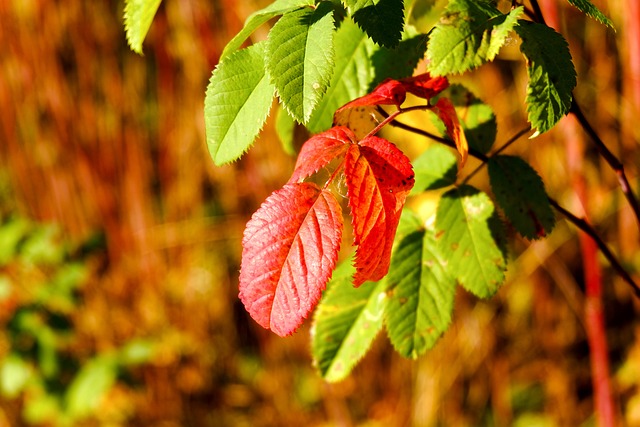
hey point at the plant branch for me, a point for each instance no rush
(609, 157)
(590, 231)
(578, 222)
(513, 139)
(537, 11)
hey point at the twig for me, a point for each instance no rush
(589, 230)
(578, 222)
(609, 157)
(513, 139)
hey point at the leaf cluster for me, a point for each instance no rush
(344, 70)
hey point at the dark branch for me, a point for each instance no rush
(609, 157)
(578, 222)
(585, 227)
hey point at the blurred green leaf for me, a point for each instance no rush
(136, 352)
(469, 34)
(285, 128)
(138, 15)
(552, 75)
(521, 194)
(470, 237)
(14, 375)
(345, 323)
(237, 103)
(11, 233)
(90, 385)
(300, 58)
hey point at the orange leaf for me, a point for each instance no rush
(379, 177)
(447, 113)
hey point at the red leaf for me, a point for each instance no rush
(290, 248)
(389, 92)
(425, 86)
(379, 177)
(320, 150)
(447, 113)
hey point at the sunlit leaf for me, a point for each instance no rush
(552, 75)
(237, 103)
(351, 77)
(256, 19)
(345, 323)
(470, 237)
(421, 294)
(290, 248)
(435, 168)
(300, 58)
(320, 150)
(138, 15)
(379, 177)
(520, 193)
(469, 34)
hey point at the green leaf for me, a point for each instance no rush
(520, 193)
(586, 6)
(14, 375)
(285, 128)
(436, 168)
(399, 62)
(351, 76)
(138, 15)
(256, 19)
(382, 20)
(477, 118)
(552, 76)
(409, 222)
(421, 295)
(300, 58)
(469, 34)
(345, 323)
(360, 66)
(470, 237)
(90, 385)
(237, 103)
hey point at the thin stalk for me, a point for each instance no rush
(609, 157)
(578, 222)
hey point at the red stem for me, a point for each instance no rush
(594, 314)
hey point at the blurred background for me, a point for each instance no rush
(120, 242)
